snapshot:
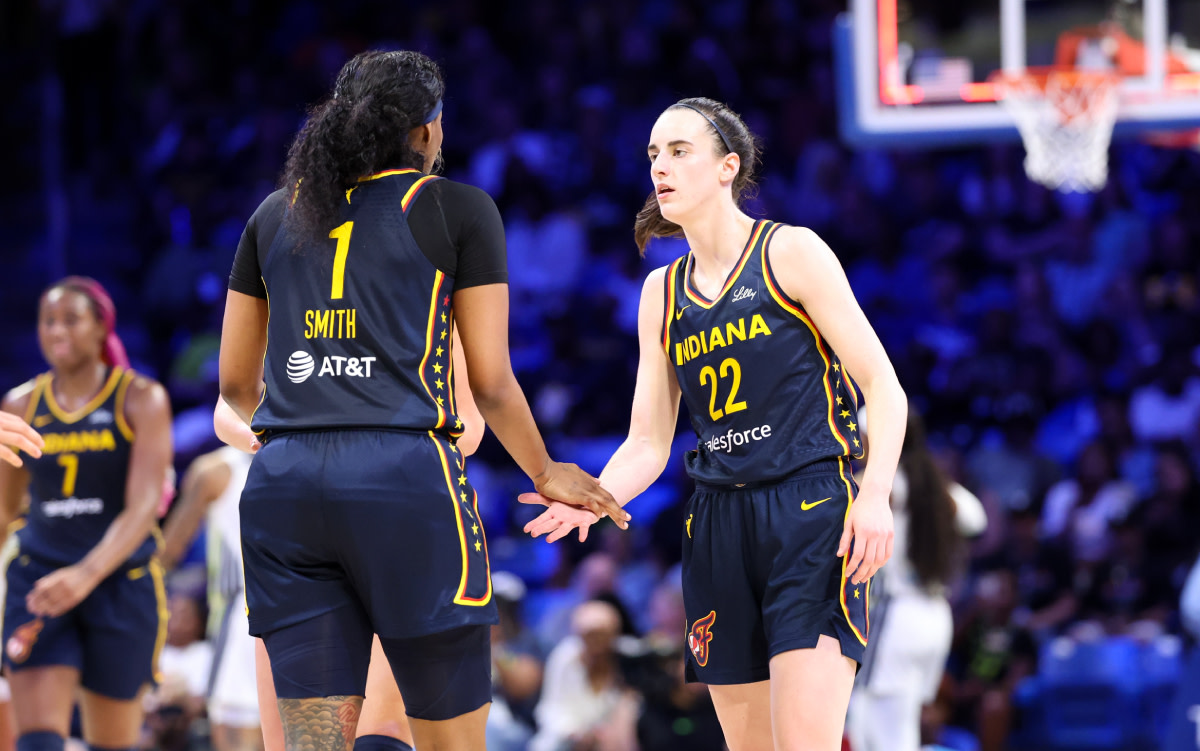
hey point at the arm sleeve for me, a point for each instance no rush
(459, 229)
(246, 275)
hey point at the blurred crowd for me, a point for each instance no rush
(1052, 341)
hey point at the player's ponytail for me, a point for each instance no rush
(113, 351)
(362, 129)
(730, 135)
(933, 540)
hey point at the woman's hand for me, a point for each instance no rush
(16, 433)
(557, 521)
(574, 487)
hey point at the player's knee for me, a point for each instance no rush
(41, 740)
(380, 743)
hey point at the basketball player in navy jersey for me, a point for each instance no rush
(382, 724)
(758, 330)
(85, 609)
(358, 516)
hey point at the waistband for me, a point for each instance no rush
(272, 433)
(818, 467)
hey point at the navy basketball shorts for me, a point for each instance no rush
(761, 574)
(363, 531)
(113, 638)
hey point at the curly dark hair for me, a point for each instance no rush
(363, 128)
(737, 138)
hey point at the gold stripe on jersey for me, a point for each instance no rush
(670, 303)
(437, 286)
(71, 417)
(799, 313)
(842, 470)
(458, 429)
(460, 597)
(119, 408)
(385, 173)
(414, 189)
(160, 596)
(39, 385)
(733, 277)
(266, 347)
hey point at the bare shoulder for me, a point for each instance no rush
(654, 283)
(17, 399)
(211, 468)
(803, 263)
(145, 396)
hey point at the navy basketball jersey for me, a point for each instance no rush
(766, 393)
(77, 486)
(360, 327)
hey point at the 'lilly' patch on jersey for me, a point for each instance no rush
(700, 636)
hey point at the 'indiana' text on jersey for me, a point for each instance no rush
(766, 393)
(77, 486)
(360, 326)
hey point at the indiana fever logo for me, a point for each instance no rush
(20, 644)
(700, 636)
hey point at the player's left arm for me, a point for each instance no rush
(148, 412)
(243, 345)
(203, 482)
(810, 274)
(464, 401)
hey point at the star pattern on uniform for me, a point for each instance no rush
(439, 384)
(853, 427)
(439, 351)
(437, 367)
(444, 336)
(463, 496)
(457, 424)
(837, 366)
(856, 443)
(845, 413)
(453, 449)
(443, 317)
(462, 479)
(475, 529)
(839, 401)
(856, 594)
(441, 402)
(478, 546)
(446, 300)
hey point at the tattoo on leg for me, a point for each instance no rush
(321, 724)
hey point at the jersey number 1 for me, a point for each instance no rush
(708, 376)
(342, 235)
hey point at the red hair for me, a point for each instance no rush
(113, 352)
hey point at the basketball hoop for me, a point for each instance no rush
(1065, 117)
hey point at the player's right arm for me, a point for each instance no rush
(481, 314)
(643, 456)
(203, 483)
(14, 479)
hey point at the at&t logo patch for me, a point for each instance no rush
(300, 366)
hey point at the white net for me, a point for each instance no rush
(1066, 120)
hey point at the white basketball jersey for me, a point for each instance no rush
(225, 576)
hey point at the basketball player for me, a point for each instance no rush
(913, 626)
(382, 725)
(85, 609)
(758, 330)
(212, 486)
(357, 516)
(16, 433)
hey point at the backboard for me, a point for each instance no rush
(916, 72)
